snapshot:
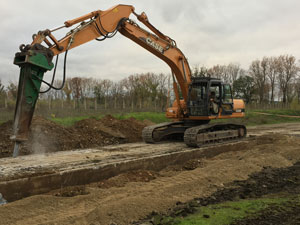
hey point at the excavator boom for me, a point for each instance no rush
(36, 58)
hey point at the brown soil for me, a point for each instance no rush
(268, 183)
(47, 136)
(131, 197)
(132, 176)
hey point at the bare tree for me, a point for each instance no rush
(297, 88)
(287, 71)
(76, 87)
(257, 71)
(1, 87)
(163, 90)
(117, 92)
(233, 71)
(12, 90)
(107, 84)
(199, 71)
(68, 89)
(218, 71)
(272, 74)
(228, 73)
(2, 93)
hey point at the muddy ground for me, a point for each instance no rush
(131, 197)
(47, 136)
(238, 171)
(270, 182)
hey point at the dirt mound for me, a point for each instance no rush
(131, 128)
(71, 191)
(6, 145)
(47, 136)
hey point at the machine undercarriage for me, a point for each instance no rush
(193, 134)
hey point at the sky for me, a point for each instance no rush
(209, 32)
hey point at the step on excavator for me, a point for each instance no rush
(197, 99)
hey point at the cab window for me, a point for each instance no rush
(227, 96)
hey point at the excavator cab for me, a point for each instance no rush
(209, 97)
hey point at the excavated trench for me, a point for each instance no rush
(41, 173)
(36, 174)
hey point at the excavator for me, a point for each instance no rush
(198, 100)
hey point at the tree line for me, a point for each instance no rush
(267, 80)
(137, 91)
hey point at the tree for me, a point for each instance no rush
(2, 90)
(244, 87)
(257, 71)
(272, 74)
(106, 84)
(287, 70)
(162, 89)
(117, 91)
(199, 71)
(99, 90)
(233, 71)
(68, 89)
(12, 90)
(297, 88)
(218, 71)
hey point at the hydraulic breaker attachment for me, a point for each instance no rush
(34, 61)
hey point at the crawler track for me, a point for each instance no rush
(156, 133)
(194, 136)
(213, 133)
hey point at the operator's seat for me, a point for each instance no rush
(214, 107)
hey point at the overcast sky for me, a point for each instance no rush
(209, 32)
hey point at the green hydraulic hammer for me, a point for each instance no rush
(34, 61)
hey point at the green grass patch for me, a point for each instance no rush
(252, 118)
(152, 116)
(288, 112)
(226, 213)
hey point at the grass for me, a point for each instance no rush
(289, 112)
(252, 118)
(2, 121)
(152, 116)
(226, 213)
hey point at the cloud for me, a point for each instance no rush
(208, 32)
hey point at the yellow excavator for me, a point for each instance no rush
(198, 99)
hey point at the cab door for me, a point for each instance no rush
(227, 100)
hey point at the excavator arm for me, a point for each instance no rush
(36, 59)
